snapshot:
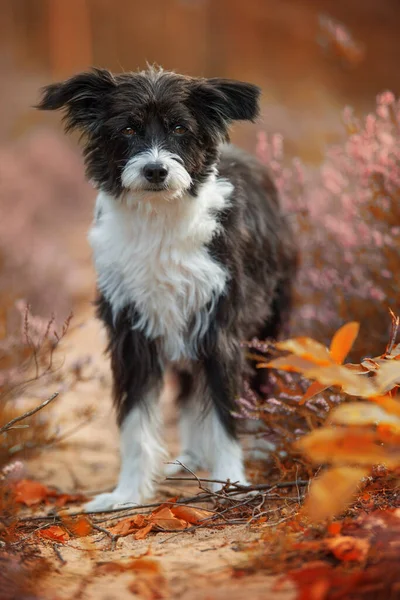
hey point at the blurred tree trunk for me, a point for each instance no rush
(70, 36)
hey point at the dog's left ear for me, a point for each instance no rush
(226, 100)
(240, 99)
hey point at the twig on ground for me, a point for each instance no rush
(122, 512)
(245, 488)
(114, 537)
(29, 413)
(58, 554)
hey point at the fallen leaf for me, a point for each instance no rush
(30, 492)
(313, 581)
(143, 532)
(347, 548)
(79, 526)
(145, 565)
(342, 342)
(129, 525)
(55, 533)
(124, 527)
(334, 528)
(331, 492)
(148, 565)
(191, 515)
(165, 519)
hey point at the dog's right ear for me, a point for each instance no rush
(82, 98)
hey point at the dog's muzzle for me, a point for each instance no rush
(155, 172)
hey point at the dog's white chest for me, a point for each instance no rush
(158, 261)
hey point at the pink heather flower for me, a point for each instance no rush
(386, 98)
(346, 216)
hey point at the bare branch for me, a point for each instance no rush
(9, 425)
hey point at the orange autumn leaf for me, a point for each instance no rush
(30, 492)
(165, 519)
(124, 527)
(341, 344)
(129, 525)
(146, 565)
(79, 526)
(143, 532)
(55, 533)
(362, 413)
(347, 548)
(388, 376)
(162, 518)
(347, 446)
(191, 515)
(334, 528)
(332, 491)
(314, 389)
(295, 364)
(308, 349)
(389, 433)
(343, 340)
(391, 405)
(340, 376)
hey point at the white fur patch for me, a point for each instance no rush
(178, 179)
(206, 445)
(141, 458)
(153, 254)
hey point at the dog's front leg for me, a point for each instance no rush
(137, 385)
(141, 457)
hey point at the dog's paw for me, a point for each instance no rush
(109, 501)
(189, 461)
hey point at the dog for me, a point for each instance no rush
(193, 256)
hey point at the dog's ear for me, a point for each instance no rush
(82, 97)
(226, 100)
(240, 100)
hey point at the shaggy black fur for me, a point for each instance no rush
(255, 244)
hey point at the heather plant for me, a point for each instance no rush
(346, 218)
(27, 369)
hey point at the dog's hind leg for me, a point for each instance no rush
(191, 432)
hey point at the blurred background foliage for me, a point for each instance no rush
(312, 58)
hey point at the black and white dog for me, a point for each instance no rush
(192, 252)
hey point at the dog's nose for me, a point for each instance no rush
(155, 172)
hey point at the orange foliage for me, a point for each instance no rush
(30, 492)
(362, 433)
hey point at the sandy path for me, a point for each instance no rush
(192, 565)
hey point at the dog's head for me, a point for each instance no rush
(154, 133)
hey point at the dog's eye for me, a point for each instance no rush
(128, 131)
(179, 130)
